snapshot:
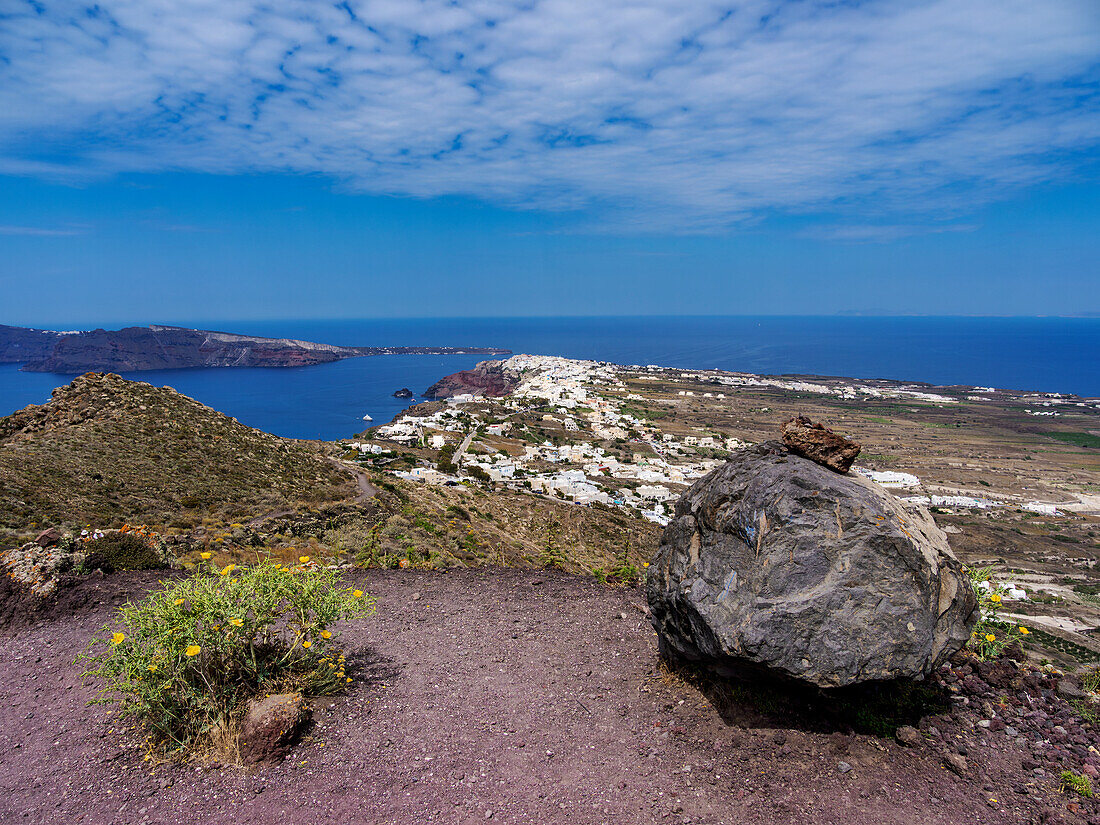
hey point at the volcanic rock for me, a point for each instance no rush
(404, 392)
(774, 562)
(909, 736)
(817, 443)
(271, 726)
(488, 378)
(48, 538)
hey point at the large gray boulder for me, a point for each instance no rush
(774, 561)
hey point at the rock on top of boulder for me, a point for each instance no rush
(818, 443)
(773, 561)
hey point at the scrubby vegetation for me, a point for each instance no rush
(106, 450)
(185, 661)
(121, 551)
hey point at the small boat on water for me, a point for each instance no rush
(367, 418)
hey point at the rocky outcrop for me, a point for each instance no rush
(271, 726)
(488, 378)
(404, 392)
(815, 442)
(774, 562)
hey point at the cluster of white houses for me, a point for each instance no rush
(569, 392)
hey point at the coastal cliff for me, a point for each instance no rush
(154, 347)
(488, 378)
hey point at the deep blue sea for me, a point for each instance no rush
(329, 401)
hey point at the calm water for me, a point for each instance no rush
(328, 401)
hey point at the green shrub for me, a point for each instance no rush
(185, 661)
(121, 551)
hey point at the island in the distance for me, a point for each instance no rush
(155, 347)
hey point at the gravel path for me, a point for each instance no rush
(502, 695)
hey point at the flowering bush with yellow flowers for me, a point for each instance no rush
(186, 660)
(993, 633)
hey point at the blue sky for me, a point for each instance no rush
(165, 160)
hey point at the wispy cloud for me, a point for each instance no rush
(41, 231)
(651, 113)
(882, 233)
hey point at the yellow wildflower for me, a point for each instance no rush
(229, 568)
(236, 622)
(303, 559)
(349, 678)
(193, 650)
(989, 637)
(358, 594)
(178, 602)
(152, 668)
(995, 598)
(326, 634)
(204, 555)
(118, 638)
(1023, 630)
(307, 644)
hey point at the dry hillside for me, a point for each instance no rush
(107, 450)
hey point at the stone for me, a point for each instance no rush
(48, 538)
(817, 443)
(1068, 689)
(955, 763)
(774, 562)
(909, 736)
(271, 726)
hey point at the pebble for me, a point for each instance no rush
(843, 767)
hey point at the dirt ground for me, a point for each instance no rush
(511, 696)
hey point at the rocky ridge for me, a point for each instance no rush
(158, 347)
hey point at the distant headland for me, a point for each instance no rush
(156, 347)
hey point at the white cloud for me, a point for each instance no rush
(655, 113)
(40, 231)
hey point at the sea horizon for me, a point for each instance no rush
(328, 401)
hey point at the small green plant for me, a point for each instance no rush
(624, 570)
(552, 554)
(1091, 679)
(184, 661)
(1085, 711)
(992, 634)
(1077, 783)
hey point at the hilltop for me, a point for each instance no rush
(105, 450)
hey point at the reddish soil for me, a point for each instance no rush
(500, 695)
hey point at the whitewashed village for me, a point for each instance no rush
(606, 451)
